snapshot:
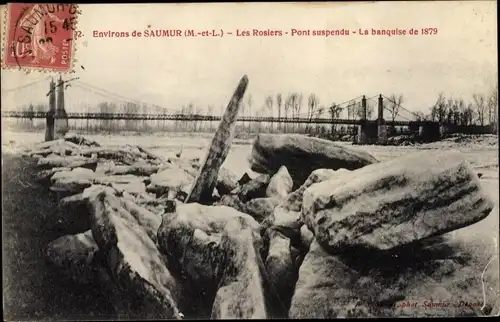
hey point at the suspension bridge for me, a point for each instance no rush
(84, 101)
(87, 97)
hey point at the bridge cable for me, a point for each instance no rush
(407, 110)
(111, 95)
(123, 97)
(96, 88)
(106, 95)
(25, 85)
(389, 110)
(327, 108)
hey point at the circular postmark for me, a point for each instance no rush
(41, 36)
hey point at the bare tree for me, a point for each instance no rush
(300, 102)
(165, 112)
(293, 104)
(189, 111)
(249, 104)
(269, 106)
(179, 124)
(157, 110)
(433, 114)
(210, 113)
(288, 104)
(480, 105)
(260, 113)
(468, 115)
(130, 108)
(312, 104)
(440, 108)
(103, 109)
(41, 108)
(351, 110)
(298, 107)
(290, 100)
(145, 110)
(395, 102)
(334, 110)
(449, 111)
(31, 113)
(197, 112)
(461, 107)
(453, 112)
(279, 101)
(319, 113)
(493, 107)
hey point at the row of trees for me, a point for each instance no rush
(291, 106)
(481, 110)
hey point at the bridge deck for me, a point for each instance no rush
(196, 117)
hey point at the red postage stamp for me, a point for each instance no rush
(40, 36)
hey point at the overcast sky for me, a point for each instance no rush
(460, 60)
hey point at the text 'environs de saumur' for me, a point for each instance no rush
(293, 32)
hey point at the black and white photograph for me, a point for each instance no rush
(253, 160)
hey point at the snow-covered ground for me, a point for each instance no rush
(482, 152)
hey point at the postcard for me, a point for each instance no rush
(250, 160)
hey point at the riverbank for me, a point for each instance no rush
(32, 289)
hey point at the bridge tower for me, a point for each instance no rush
(363, 107)
(50, 118)
(382, 127)
(61, 122)
(362, 127)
